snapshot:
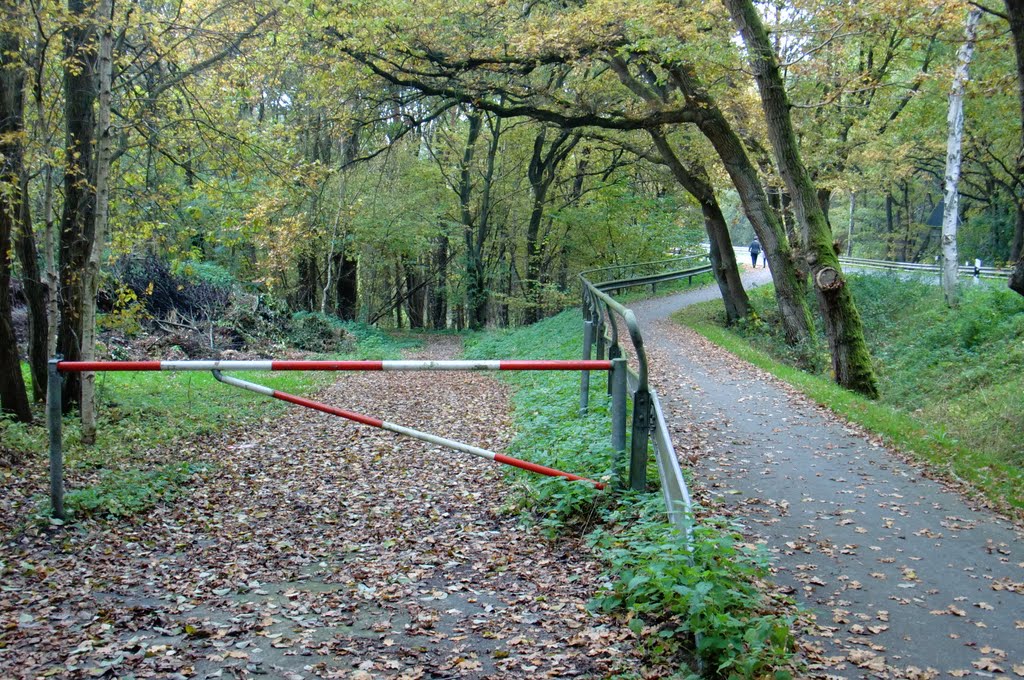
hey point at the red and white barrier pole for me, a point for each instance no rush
(391, 427)
(236, 365)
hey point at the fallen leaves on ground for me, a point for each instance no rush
(315, 547)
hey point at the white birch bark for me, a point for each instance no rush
(955, 120)
(104, 153)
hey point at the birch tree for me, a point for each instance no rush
(955, 121)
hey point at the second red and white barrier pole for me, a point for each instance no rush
(391, 427)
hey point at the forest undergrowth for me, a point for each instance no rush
(951, 380)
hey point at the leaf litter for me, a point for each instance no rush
(314, 547)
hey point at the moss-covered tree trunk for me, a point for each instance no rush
(851, 361)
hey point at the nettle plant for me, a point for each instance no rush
(704, 592)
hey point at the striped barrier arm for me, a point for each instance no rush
(260, 365)
(407, 431)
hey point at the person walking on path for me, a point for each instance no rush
(755, 250)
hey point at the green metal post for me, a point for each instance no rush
(642, 420)
(54, 416)
(618, 379)
(588, 343)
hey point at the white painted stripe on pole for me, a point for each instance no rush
(227, 365)
(440, 441)
(246, 385)
(441, 365)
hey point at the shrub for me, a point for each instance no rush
(162, 291)
(315, 332)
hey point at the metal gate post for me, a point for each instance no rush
(618, 379)
(588, 344)
(54, 382)
(642, 415)
(614, 354)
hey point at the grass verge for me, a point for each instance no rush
(700, 604)
(951, 380)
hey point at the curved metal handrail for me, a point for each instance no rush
(648, 417)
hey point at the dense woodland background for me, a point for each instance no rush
(203, 167)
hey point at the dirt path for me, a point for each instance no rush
(906, 580)
(320, 548)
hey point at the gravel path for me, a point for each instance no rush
(321, 548)
(906, 579)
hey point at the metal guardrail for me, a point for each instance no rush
(891, 265)
(601, 317)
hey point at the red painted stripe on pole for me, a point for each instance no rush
(575, 365)
(317, 406)
(327, 365)
(81, 366)
(540, 469)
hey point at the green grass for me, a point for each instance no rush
(152, 428)
(952, 381)
(684, 602)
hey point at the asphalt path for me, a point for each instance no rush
(904, 577)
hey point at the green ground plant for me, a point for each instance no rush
(951, 380)
(693, 601)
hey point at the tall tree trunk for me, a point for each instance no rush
(347, 288)
(695, 181)
(78, 218)
(955, 121)
(104, 154)
(890, 227)
(1017, 250)
(908, 223)
(416, 294)
(13, 399)
(439, 293)
(329, 266)
(849, 230)
(851, 360)
(308, 281)
(1015, 12)
(12, 122)
(35, 293)
(542, 171)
